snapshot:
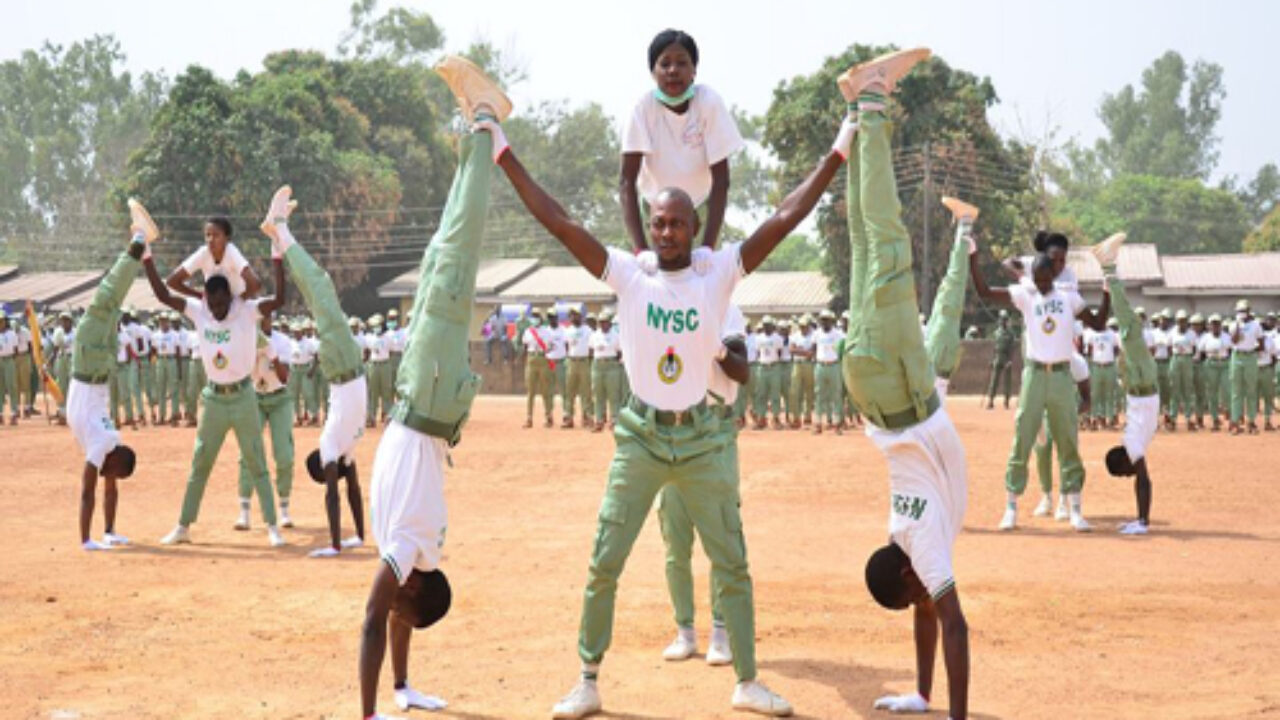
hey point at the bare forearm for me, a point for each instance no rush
(955, 650)
(161, 291)
(926, 634)
(717, 202)
(178, 283)
(252, 285)
(980, 286)
(629, 196)
(794, 208)
(277, 301)
(735, 365)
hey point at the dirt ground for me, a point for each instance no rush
(1180, 624)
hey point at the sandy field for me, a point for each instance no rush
(1184, 623)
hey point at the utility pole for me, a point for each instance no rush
(926, 295)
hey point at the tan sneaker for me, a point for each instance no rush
(140, 221)
(960, 210)
(885, 70)
(1108, 251)
(474, 90)
(282, 206)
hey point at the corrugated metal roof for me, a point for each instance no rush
(139, 297)
(1259, 271)
(7, 270)
(782, 292)
(493, 276)
(46, 287)
(551, 283)
(1138, 264)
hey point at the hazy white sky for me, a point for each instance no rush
(1050, 61)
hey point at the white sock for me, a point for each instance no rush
(590, 671)
(286, 237)
(687, 633)
(1011, 501)
(244, 506)
(1074, 502)
(284, 504)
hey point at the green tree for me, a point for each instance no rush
(1165, 127)
(69, 118)
(797, 252)
(941, 124)
(1177, 215)
(1266, 237)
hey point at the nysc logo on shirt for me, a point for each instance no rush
(908, 506)
(672, 321)
(670, 367)
(217, 337)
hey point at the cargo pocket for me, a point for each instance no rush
(612, 520)
(444, 298)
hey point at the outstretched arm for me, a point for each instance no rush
(178, 283)
(585, 249)
(158, 287)
(1000, 295)
(1097, 319)
(955, 652)
(269, 305)
(790, 213)
(629, 196)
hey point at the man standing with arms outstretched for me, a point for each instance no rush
(228, 330)
(889, 375)
(670, 326)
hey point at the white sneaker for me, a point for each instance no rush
(274, 536)
(755, 697)
(352, 543)
(682, 648)
(114, 540)
(1063, 511)
(473, 89)
(140, 221)
(582, 700)
(324, 552)
(1079, 524)
(1045, 508)
(1133, 527)
(93, 545)
(242, 522)
(178, 536)
(285, 520)
(1108, 251)
(1010, 519)
(282, 206)
(407, 697)
(719, 651)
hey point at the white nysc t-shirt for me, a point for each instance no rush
(826, 344)
(679, 149)
(232, 266)
(265, 379)
(1102, 345)
(605, 345)
(1050, 321)
(229, 346)
(734, 328)
(670, 325)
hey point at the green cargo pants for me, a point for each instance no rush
(578, 387)
(1102, 389)
(769, 390)
(828, 392)
(381, 389)
(1215, 376)
(1244, 386)
(886, 368)
(678, 535)
(1184, 391)
(276, 412)
(22, 375)
(803, 388)
(167, 386)
(126, 384)
(195, 385)
(233, 412)
(1165, 385)
(62, 373)
(1051, 393)
(1266, 390)
(606, 384)
(693, 458)
(539, 381)
(9, 385)
(943, 340)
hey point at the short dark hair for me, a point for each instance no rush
(217, 284)
(424, 598)
(1119, 463)
(1041, 262)
(666, 39)
(316, 469)
(223, 224)
(127, 458)
(885, 579)
(1045, 240)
